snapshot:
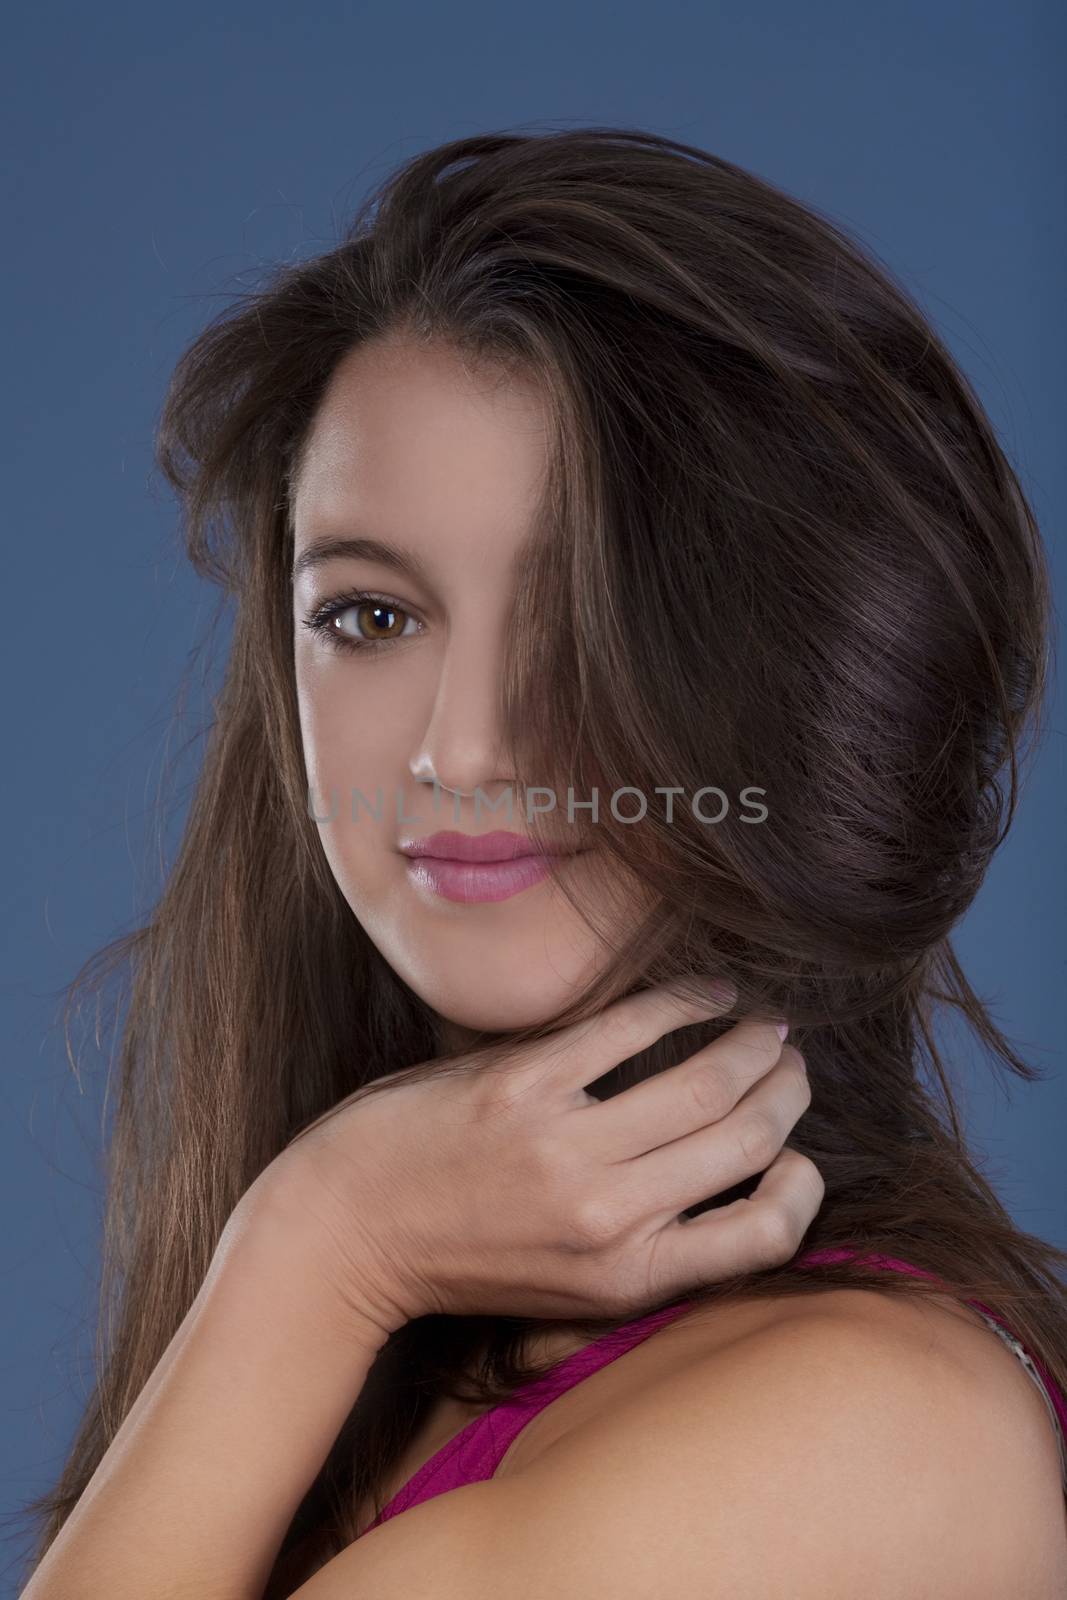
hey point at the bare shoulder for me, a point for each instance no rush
(899, 1434)
(839, 1444)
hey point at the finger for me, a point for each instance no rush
(696, 1092)
(750, 1235)
(589, 1049)
(747, 1140)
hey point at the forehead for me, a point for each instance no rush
(405, 431)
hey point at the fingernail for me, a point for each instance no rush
(783, 1029)
(722, 992)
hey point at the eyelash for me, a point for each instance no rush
(321, 618)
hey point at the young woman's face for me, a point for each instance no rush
(411, 451)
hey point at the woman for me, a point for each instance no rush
(631, 594)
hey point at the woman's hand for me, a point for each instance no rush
(514, 1192)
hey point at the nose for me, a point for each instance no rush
(462, 744)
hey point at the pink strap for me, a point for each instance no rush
(476, 1451)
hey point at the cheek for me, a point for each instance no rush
(355, 756)
(352, 737)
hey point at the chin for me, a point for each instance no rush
(506, 1015)
(498, 1002)
(494, 968)
(501, 983)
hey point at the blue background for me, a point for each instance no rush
(158, 157)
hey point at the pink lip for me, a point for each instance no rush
(477, 867)
(452, 846)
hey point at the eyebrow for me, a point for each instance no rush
(336, 548)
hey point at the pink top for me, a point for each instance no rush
(476, 1451)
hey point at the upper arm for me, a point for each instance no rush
(828, 1455)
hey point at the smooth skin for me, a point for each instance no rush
(731, 1477)
(444, 466)
(849, 1445)
(849, 1450)
(515, 1192)
(469, 1202)
(412, 448)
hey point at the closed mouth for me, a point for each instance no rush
(483, 848)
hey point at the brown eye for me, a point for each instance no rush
(378, 620)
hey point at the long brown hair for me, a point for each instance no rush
(781, 548)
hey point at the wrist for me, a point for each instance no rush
(285, 1227)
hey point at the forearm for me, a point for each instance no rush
(201, 1482)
